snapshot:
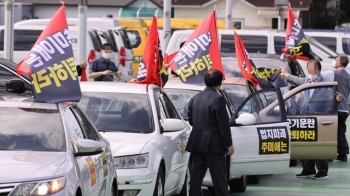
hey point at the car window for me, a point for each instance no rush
(87, 127)
(252, 43)
(257, 105)
(236, 93)
(6, 74)
(118, 112)
(24, 129)
(330, 42)
(168, 106)
(180, 99)
(73, 125)
(346, 45)
(135, 38)
(24, 40)
(313, 101)
(279, 43)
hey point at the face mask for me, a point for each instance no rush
(313, 77)
(106, 55)
(334, 63)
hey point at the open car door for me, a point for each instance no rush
(260, 136)
(313, 135)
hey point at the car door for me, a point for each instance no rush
(105, 166)
(174, 143)
(313, 135)
(262, 146)
(90, 167)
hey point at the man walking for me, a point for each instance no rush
(341, 76)
(210, 140)
(313, 104)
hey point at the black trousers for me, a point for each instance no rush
(217, 167)
(343, 146)
(309, 166)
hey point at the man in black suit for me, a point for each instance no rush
(210, 139)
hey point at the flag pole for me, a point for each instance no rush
(161, 81)
(217, 33)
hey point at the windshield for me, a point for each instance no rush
(118, 112)
(180, 99)
(24, 129)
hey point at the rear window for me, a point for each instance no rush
(95, 40)
(279, 43)
(135, 38)
(346, 45)
(252, 43)
(23, 39)
(330, 42)
(19, 130)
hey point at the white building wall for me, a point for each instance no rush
(72, 11)
(240, 12)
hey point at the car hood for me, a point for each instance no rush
(127, 143)
(22, 166)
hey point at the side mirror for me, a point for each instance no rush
(171, 124)
(88, 147)
(246, 119)
(15, 86)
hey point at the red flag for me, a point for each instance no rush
(83, 77)
(152, 69)
(50, 63)
(199, 54)
(296, 43)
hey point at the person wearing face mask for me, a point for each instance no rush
(103, 69)
(341, 75)
(313, 104)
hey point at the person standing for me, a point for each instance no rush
(103, 69)
(341, 76)
(314, 103)
(210, 140)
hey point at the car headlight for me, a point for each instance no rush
(41, 188)
(131, 162)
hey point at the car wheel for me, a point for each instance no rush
(186, 187)
(293, 163)
(255, 179)
(159, 188)
(211, 191)
(238, 185)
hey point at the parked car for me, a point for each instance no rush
(147, 134)
(61, 155)
(248, 158)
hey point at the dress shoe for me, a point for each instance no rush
(343, 158)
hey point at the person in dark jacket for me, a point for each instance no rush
(210, 140)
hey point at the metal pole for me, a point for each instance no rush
(82, 15)
(229, 4)
(8, 31)
(280, 19)
(166, 24)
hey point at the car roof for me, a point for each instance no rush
(254, 56)
(176, 83)
(114, 87)
(235, 80)
(25, 102)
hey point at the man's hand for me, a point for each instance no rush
(338, 97)
(118, 73)
(283, 73)
(107, 72)
(231, 150)
(83, 64)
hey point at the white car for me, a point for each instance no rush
(253, 154)
(52, 149)
(148, 137)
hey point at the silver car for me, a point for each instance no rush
(52, 149)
